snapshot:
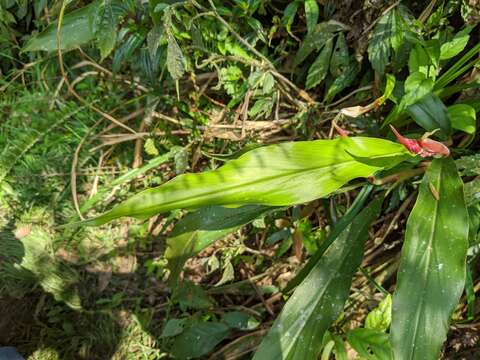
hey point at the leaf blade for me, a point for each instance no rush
(432, 268)
(320, 298)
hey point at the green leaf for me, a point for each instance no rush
(311, 13)
(379, 45)
(380, 317)
(469, 165)
(240, 320)
(317, 39)
(463, 117)
(173, 327)
(191, 296)
(201, 228)
(289, 15)
(430, 113)
(417, 86)
(370, 344)
(425, 58)
(77, 29)
(199, 339)
(340, 58)
(275, 175)
(319, 299)
(431, 276)
(456, 45)
(105, 26)
(175, 59)
(319, 69)
(342, 81)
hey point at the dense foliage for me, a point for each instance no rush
(237, 180)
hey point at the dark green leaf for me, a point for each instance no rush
(173, 327)
(379, 44)
(431, 276)
(77, 29)
(106, 22)
(319, 69)
(430, 113)
(317, 39)
(289, 15)
(198, 230)
(319, 299)
(340, 60)
(199, 339)
(191, 296)
(240, 320)
(342, 81)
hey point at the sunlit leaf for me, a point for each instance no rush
(311, 13)
(319, 299)
(463, 117)
(370, 344)
(175, 59)
(431, 276)
(456, 45)
(276, 175)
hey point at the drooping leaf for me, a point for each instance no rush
(275, 175)
(199, 339)
(311, 13)
(379, 44)
(431, 276)
(319, 299)
(431, 114)
(201, 228)
(319, 69)
(370, 344)
(175, 59)
(77, 29)
(463, 117)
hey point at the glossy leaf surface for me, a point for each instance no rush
(317, 302)
(431, 276)
(276, 175)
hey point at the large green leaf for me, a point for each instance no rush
(379, 44)
(463, 117)
(319, 299)
(201, 228)
(275, 175)
(77, 29)
(431, 276)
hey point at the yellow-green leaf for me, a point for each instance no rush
(275, 175)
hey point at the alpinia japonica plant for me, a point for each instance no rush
(431, 275)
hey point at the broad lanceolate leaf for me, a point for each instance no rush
(201, 228)
(319, 299)
(275, 175)
(431, 276)
(379, 44)
(342, 81)
(77, 29)
(318, 70)
(371, 344)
